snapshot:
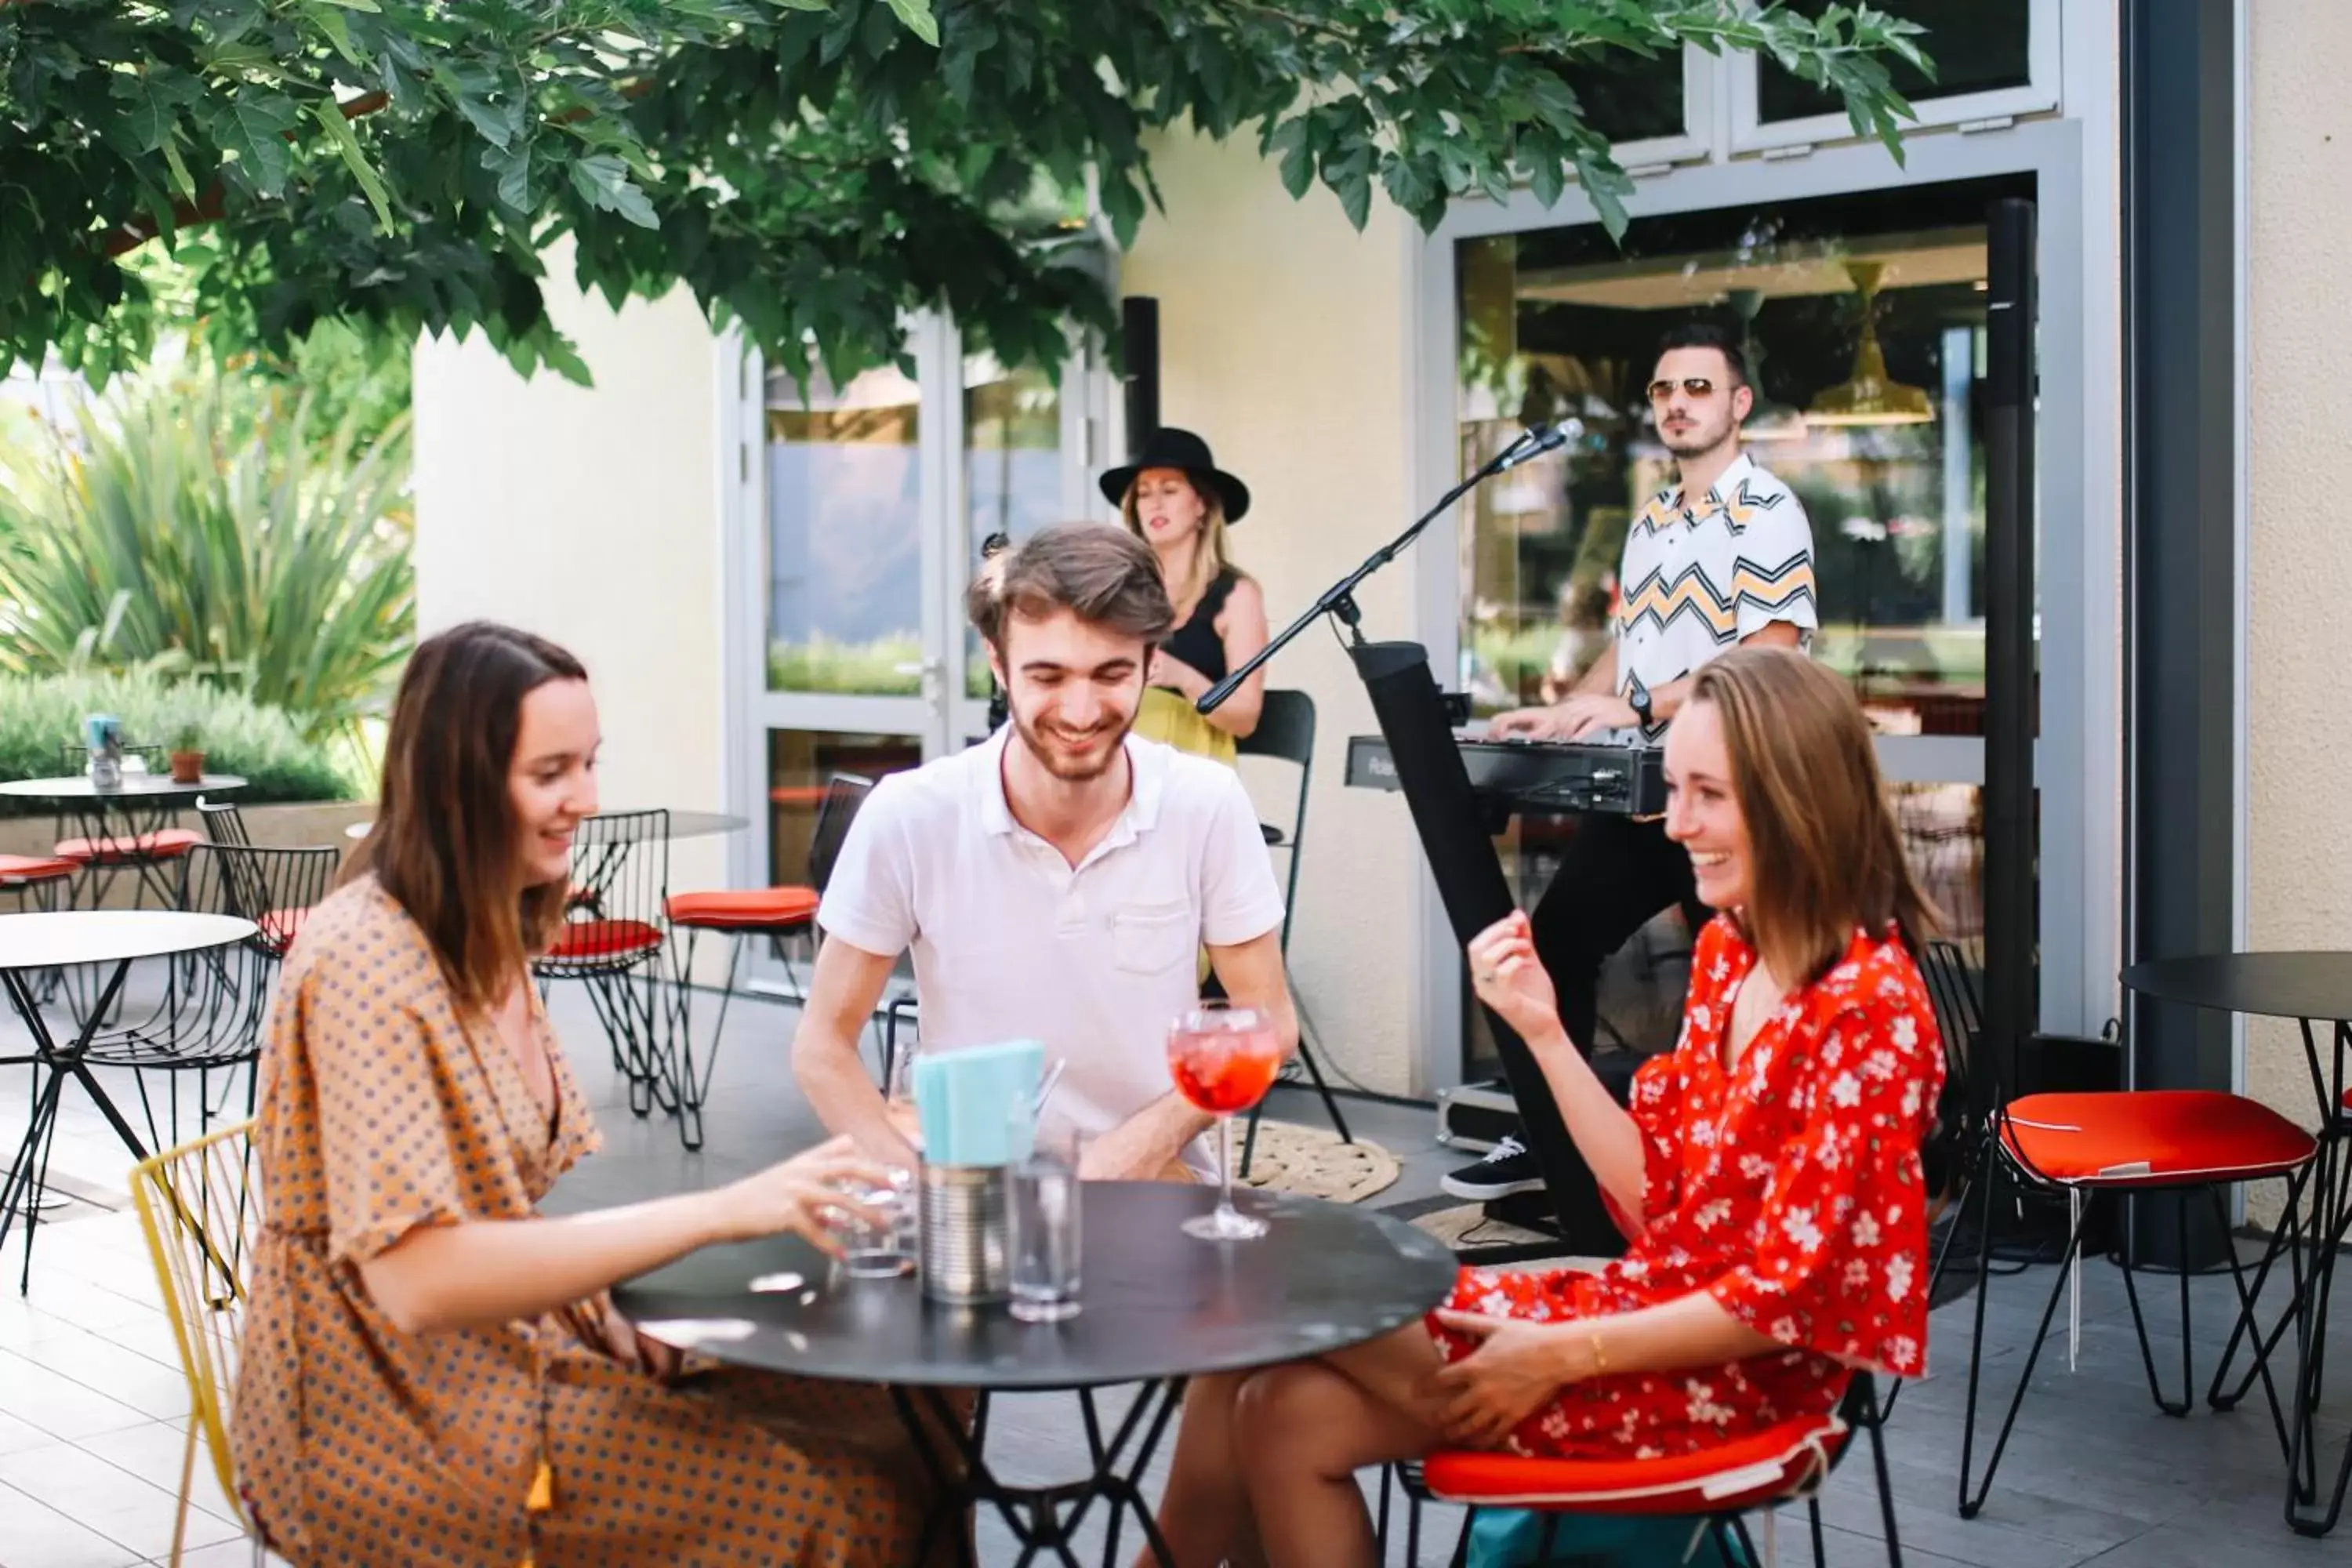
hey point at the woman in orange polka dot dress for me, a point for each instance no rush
(1767, 1173)
(433, 1372)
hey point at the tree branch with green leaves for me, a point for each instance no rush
(809, 170)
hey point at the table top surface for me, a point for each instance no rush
(45, 941)
(682, 825)
(2314, 985)
(79, 787)
(1155, 1303)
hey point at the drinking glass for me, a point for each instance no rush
(1223, 1058)
(1044, 1236)
(882, 1249)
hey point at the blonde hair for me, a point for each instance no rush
(1827, 856)
(1208, 557)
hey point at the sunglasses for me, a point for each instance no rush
(1692, 385)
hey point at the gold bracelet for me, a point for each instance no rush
(1600, 1357)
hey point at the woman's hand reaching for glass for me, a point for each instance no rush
(809, 1195)
(1510, 978)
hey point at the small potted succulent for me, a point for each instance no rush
(188, 756)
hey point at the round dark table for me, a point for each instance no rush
(2311, 987)
(1159, 1307)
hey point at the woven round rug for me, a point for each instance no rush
(1314, 1163)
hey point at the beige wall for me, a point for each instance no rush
(2298, 637)
(592, 516)
(1283, 341)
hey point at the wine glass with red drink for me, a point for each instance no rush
(1223, 1060)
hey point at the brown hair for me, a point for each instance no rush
(446, 843)
(1824, 852)
(1208, 557)
(1105, 576)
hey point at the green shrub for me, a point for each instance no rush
(192, 525)
(261, 745)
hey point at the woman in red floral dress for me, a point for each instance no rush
(1767, 1174)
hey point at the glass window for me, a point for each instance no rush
(1012, 471)
(799, 763)
(1628, 98)
(845, 535)
(1978, 46)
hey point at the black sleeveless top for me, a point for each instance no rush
(1196, 642)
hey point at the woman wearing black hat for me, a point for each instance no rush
(1177, 500)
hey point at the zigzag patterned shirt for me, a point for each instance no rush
(1697, 580)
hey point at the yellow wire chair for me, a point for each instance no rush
(200, 1212)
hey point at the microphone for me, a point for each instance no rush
(1541, 439)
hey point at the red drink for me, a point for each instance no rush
(1223, 1060)
(1226, 1072)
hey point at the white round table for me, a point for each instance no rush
(30, 943)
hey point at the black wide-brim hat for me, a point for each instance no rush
(1170, 447)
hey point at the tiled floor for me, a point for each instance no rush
(93, 1404)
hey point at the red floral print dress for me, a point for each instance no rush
(1788, 1189)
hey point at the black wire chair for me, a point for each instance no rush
(2065, 1147)
(613, 942)
(209, 1018)
(223, 823)
(781, 914)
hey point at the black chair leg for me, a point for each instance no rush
(1971, 1506)
(2187, 1400)
(1460, 1558)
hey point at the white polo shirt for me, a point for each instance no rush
(1010, 943)
(1698, 577)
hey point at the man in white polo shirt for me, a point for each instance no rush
(1722, 556)
(1057, 882)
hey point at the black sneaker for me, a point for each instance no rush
(1507, 1168)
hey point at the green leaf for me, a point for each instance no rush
(254, 126)
(339, 130)
(916, 16)
(604, 182)
(330, 21)
(145, 118)
(513, 170)
(181, 180)
(1290, 138)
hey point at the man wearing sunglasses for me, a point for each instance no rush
(1723, 556)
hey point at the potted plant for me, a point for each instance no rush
(188, 756)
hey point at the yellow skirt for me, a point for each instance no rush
(1167, 717)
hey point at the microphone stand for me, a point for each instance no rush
(1339, 599)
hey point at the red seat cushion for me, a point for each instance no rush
(745, 909)
(281, 927)
(608, 939)
(1772, 1464)
(16, 868)
(2166, 1136)
(166, 843)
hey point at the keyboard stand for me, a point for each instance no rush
(1450, 823)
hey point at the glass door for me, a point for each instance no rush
(1028, 456)
(1863, 318)
(870, 501)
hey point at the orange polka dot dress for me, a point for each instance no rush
(533, 1442)
(1788, 1188)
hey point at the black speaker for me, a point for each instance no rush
(1138, 331)
(2011, 991)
